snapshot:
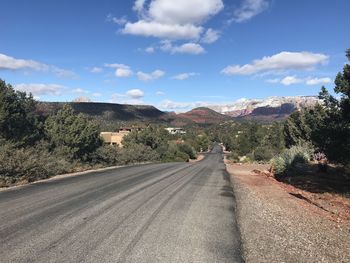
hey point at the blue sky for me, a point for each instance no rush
(172, 54)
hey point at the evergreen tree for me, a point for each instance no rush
(335, 130)
(74, 132)
(19, 122)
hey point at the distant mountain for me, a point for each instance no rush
(200, 115)
(270, 109)
(273, 108)
(106, 111)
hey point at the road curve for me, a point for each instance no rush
(173, 212)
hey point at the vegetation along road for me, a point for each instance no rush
(172, 212)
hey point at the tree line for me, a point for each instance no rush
(326, 126)
(34, 147)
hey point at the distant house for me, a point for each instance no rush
(176, 130)
(129, 129)
(116, 138)
(113, 138)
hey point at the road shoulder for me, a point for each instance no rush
(66, 175)
(278, 227)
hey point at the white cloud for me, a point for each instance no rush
(96, 70)
(172, 105)
(273, 80)
(180, 106)
(181, 19)
(80, 91)
(11, 63)
(116, 65)
(279, 62)
(96, 94)
(318, 81)
(166, 46)
(160, 93)
(63, 73)
(184, 11)
(150, 76)
(249, 9)
(116, 20)
(159, 30)
(122, 70)
(138, 5)
(120, 98)
(210, 36)
(41, 89)
(130, 97)
(184, 76)
(187, 48)
(289, 80)
(150, 50)
(135, 93)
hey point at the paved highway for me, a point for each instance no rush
(173, 212)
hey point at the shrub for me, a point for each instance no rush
(249, 158)
(263, 153)
(174, 154)
(137, 153)
(175, 157)
(292, 159)
(188, 149)
(279, 165)
(29, 164)
(233, 156)
(202, 143)
(106, 155)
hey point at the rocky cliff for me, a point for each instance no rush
(274, 107)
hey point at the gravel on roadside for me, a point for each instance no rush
(276, 227)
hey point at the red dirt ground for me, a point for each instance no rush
(317, 193)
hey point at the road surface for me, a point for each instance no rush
(173, 212)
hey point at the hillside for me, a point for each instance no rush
(200, 115)
(265, 110)
(106, 111)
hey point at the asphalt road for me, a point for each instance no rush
(174, 212)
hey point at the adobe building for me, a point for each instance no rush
(116, 138)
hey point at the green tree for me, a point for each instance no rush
(335, 130)
(152, 136)
(19, 122)
(188, 149)
(202, 142)
(297, 128)
(74, 132)
(275, 138)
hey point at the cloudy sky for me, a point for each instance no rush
(172, 54)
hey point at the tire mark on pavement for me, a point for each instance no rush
(139, 234)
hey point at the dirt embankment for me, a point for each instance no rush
(281, 223)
